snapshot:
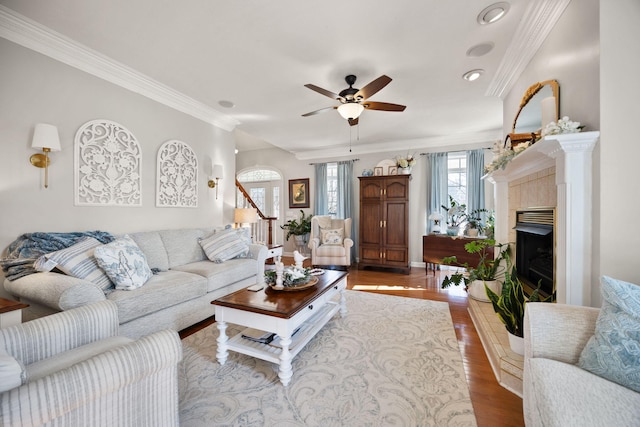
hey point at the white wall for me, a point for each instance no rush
(34, 89)
(620, 150)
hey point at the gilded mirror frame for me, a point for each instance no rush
(529, 94)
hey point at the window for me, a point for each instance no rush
(457, 176)
(332, 188)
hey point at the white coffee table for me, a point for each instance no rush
(279, 312)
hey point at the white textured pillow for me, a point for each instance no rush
(12, 373)
(124, 263)
(77, 261)
(224, 245)
(331, 236)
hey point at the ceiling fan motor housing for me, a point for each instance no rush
(348, 94)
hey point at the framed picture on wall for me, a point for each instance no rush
(299, 193)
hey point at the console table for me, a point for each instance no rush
(438, 246)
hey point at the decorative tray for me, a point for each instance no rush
(312, 282)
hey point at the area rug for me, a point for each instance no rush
(392, 361)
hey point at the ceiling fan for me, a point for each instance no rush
(353, 101)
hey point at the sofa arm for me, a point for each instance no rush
(108, 389)
(347, 243)
(42, 338)
(259, 253)
(557, 331)
(313, 244)
(55, 290)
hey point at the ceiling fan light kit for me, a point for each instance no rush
(353, 100)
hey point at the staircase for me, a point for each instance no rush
(262, 231)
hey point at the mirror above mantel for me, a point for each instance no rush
(539, 106)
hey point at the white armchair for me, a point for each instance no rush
(72, 368)
(330, 241)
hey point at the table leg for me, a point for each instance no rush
(286, 371)
(343, 304)
(223, 351)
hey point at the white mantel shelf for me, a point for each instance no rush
(571, 154)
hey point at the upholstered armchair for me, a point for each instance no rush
(72, 369)
(330, 241)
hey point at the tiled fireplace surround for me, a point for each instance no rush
(555, 172)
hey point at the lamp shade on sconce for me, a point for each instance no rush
(245, 216)
(46, 136)
(217, 171)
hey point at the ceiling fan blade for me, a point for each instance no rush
(373, 87)
(353, 122)
(383, 106)
(324, 92)
(322, 110)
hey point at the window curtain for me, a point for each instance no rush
(321, 204)
(437, 187)
(345, 198)
(475, 184)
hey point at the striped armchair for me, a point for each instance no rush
(73, 369)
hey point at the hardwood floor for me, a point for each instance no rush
(493, 405)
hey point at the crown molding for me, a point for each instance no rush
(32, 35)
(539, 19)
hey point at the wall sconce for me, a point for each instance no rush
(45, 137)
(217, 174)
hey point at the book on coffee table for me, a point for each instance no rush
(258, 336)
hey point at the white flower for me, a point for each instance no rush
(564, 125)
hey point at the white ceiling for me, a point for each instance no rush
(259, 55)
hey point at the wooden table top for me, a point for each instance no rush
(7, 305)
(284, 304)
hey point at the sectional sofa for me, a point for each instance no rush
(178, 295)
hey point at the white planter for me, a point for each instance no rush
(477, 292)
(404, 171)
(516, 343)
(472, 232)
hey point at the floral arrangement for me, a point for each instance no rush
(406, 162)
(504, 156)
(291, 276)
(564, 125)
(456, 213)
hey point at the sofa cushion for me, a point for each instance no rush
(331, 236)
(124, 263)
(614, 350)
(331, 251)
(565, 395)
(224, 245)
(182, 245)
(77, 261)
(12, 373)
(63, 360)
(162, 290)
(151, 244)
(221, 275)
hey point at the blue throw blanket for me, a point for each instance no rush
(26, 249)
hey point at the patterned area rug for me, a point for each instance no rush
(391, 361)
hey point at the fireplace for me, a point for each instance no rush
(535, 260)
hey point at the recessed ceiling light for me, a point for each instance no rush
(472, 75)
(480, 49)
(226, 104)
(493, 13)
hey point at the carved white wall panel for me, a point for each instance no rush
(108, 162)
(177, 176)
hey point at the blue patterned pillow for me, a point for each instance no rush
(77, 261)
(224, 245)
(124, 263)
(614, 351)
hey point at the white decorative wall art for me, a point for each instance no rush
(177, 176)
(108, 162)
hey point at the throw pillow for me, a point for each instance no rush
(224, 245)
(77, 261)
(331, 236)
(12, 373)
(124, 262)
(614, 350)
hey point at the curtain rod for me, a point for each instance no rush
(352, 160)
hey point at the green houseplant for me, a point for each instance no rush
(488, 269)
(298, 227)
(510, 306)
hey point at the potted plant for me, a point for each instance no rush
(509, 305)
(485, 273)
(474, 222)
(299, 228)
(456, 215)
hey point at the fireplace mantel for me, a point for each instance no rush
(571, 154)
